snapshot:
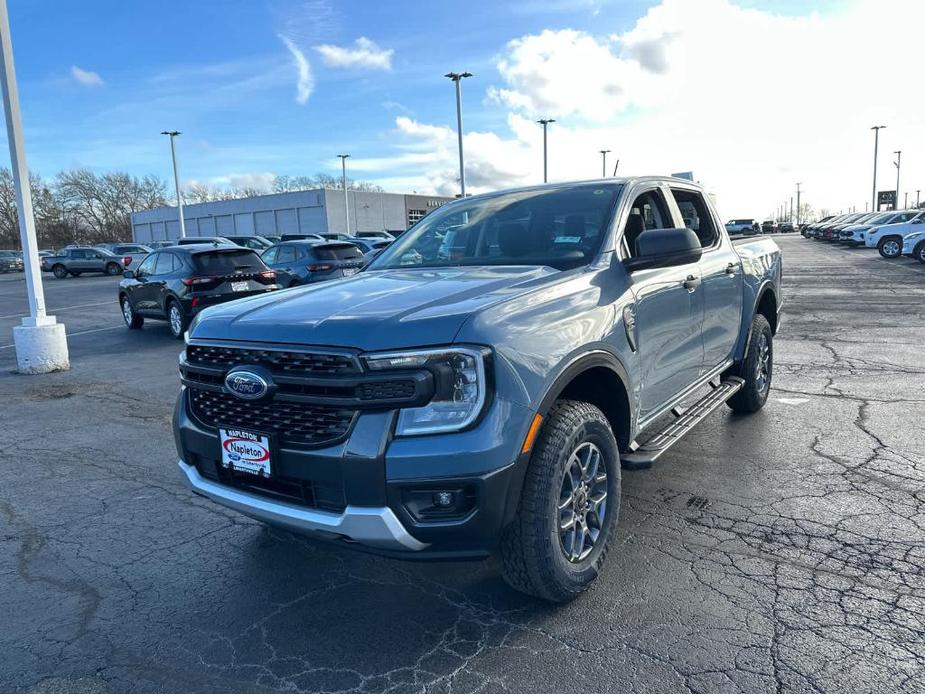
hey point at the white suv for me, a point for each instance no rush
(854, 234)
(888, 239)
(914, 245)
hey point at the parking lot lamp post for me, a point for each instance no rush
(604, 163)
(906, 200)
(457, 77)
(798, 203)
(544, 122)
(343, 173)
(40, 342)
(176, 179)
(897, 163)
(917, 197)
(873, 199)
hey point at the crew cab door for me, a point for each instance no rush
(720, 272)
(668, 311)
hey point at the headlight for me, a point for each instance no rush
(460, 387)
(873, 230)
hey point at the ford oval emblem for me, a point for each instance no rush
(247, 385)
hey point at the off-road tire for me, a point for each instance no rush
(176, 329)
(59, 271)
(894, 243)
(132, 319)
(532, 557)
(754, 394)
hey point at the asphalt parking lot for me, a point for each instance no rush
(778, 552)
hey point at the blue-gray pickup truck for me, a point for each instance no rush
(478, 388)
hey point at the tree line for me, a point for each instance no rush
(81, 206)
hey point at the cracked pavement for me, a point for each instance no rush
(779, 552)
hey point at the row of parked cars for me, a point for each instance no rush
(751, 227)
(894, 234)
(176, 280)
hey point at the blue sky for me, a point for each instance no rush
(100, 79)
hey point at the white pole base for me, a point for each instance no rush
(41, 349)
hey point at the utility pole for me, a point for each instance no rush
(790, 219)
(176, 179)
(604, 163)
(873, 199)
(457, 77)
(897, 163)
(917, 197)
(40, 342)
(799, 212)
(343, 179)
(906, 201)
(544, 122)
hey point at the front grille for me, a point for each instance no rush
(281, 361)
(295, 423)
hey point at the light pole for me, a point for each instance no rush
(457, 77)
(343, 173)
(798, 203)
(917, 197)
(544, 122)
(40, 342)
(176, 179)
(873, 199)
(897, 163)
(906, 201)
(604, 163)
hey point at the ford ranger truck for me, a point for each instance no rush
(478, 387)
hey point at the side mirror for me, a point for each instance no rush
(128, 274)
(664, 248)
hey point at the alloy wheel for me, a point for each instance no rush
(891, 249)
(127, 312)
(763, 363)
(582, 502)
(176, 320)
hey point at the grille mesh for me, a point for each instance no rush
(275, 360)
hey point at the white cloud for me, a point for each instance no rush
(87, 78)
(364, 54)
(305, 83)
(751, 101)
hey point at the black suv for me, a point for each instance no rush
(175, 283)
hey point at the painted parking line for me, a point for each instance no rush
(59, 310)
(79, 332)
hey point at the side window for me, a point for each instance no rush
(164, 265)
(649, 211)
(147, 267)
(269, 255)
(696, 214)
(286, 254)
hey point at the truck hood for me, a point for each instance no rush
(386, 309)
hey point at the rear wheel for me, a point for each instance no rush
(176, 319)
(132, 319)
(569, 505)
(890, 247)
(113, 269)
(59, 271)
(756, 369)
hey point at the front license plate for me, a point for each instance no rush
(239, 286)
(246, 451)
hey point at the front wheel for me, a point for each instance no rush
(113, 269)
(132, 319)
(756, 370)
(59, 271)
(569, 505)
(890, 247)
(919, 252)
(177, 320)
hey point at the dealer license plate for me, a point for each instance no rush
(239, 286)
(246, 451)
(349, 271)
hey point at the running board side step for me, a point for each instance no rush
(687, 418)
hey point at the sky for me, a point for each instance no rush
(751, 96)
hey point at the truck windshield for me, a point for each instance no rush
(561, 227)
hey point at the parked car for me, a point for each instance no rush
(743, 226)
(11, 261)
(258, 243)
(834, 226)
(914, 245)
(457, 407)
(135, 252)
(769, 226)
(196, 240)
(76, 260)
(853, 234)
(335, 236)
(380, 235)
(818, 228)
(308, 261)
(785, 227)
(807, 228)
(175, 284)
(301, 237)
(888, 239)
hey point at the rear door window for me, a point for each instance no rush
(218, 264)
(696, 215)
(286, 254)
(164, 265)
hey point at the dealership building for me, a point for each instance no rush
(300, 212)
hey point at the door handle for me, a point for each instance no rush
(691, 283)
(731, 269)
